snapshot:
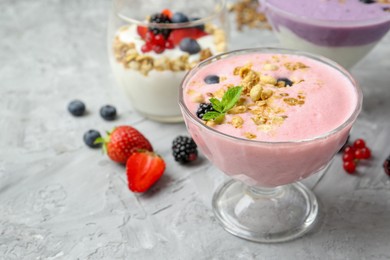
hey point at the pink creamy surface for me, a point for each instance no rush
(272, 164)
(329, 97)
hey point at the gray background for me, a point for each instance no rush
(61, 200)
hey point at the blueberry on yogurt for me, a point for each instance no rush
(211, 79)
(179, 18)
(367, 1)
(285, 81)
(189, 45)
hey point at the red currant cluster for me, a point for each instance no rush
(157, 43)
(353, 154)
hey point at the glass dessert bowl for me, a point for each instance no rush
(344, 31)
(273, 117)
(153, 43)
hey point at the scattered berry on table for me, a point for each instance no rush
(76, 108)
(287, 82)
(179, 18)
(363, 153)
(386, 165)
(359, 143)
(143, 169)
(108, 112)
(352, 155)
(349, 166)
(184, 149)
(203, 109)
(90, 137)
(122, 142)
(211, 79)
(190, 46)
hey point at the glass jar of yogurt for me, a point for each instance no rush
(153, 43)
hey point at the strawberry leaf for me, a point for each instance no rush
(229, 99)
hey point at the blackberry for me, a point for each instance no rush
(184, 149)
(160, 18)
(203, 109)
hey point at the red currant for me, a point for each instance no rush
(363, 153)
(349, 167)
(159, 40)
(147, 47)
(149, 37)
(158, 48)
(359, 143)
(349, 149)
(348, 157)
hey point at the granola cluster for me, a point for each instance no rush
(262, 97)
(247, 15)
(128, 55)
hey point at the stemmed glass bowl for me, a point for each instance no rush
(264, 200)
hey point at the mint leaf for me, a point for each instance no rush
(217, 105)
(211, 115)
(230, 98)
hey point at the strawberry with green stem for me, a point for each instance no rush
(122, 142)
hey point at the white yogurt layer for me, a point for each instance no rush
(156, 94)
(345, 56)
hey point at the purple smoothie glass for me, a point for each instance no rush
(329, 28)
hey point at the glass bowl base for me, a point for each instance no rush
(266, 215)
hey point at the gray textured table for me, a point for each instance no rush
(61, 200)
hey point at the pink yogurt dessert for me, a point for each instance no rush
(294, 113)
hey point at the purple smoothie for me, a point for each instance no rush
(331, 22)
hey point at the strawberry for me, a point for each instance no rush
(179, 34)
(122, 142)
(143, 169)
(142, 30)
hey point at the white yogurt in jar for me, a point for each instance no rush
(155, 95)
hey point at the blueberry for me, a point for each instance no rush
(108, 112)
(189, 45)
(200, 26)
(179, 18)
(90, 137)
(286, 81)
(367, 1)
(211, 79)
(76, 108)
